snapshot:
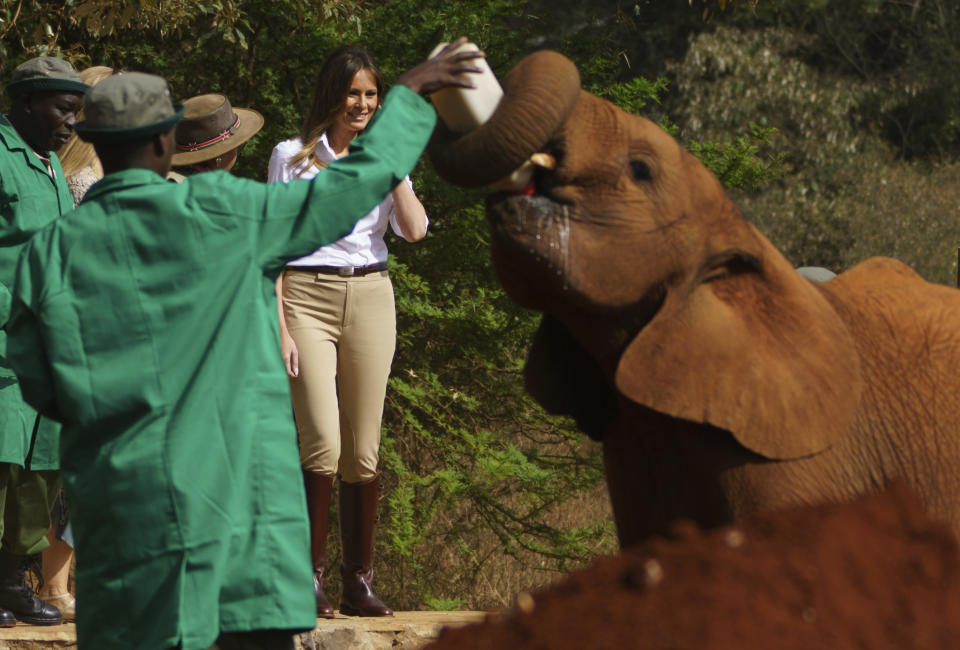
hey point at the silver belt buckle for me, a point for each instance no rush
(346, 271)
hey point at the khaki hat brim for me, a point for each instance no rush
(251, 121)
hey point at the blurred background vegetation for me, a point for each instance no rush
(836, 126)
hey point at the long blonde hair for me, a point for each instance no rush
(329, 96)
(76, 154)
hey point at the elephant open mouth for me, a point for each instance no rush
(536, 225)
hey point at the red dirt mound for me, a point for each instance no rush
(874, 574)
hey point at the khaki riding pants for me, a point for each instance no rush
(345, 329)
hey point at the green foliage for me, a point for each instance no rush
(833, 94)
(231, 43)
(712, 7)
(737, 164)
(444, 604)
(471, 455)
(633, 95)
(730, 78)
(908, 50)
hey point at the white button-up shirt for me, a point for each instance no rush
(361, 247)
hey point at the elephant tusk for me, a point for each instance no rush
(521, 180)
(544, 160)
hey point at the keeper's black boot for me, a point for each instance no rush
(18, 598)
(358, 515)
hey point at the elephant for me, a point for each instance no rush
(720, 380)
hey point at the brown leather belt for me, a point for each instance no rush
(342, 271)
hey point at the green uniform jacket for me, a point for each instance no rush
(29, 200)
(153, 305)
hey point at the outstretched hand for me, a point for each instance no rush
(443, 70)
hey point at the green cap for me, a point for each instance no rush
(128, 106)
(45, 74)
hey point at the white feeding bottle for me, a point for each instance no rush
(464, 109)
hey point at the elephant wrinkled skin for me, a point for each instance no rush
(719, 379)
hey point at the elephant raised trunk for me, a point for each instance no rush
(539, 95)
(633, 246)
(677, 334)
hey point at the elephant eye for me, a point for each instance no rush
(640, 170)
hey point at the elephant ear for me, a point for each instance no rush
(565, 380)
(751, 347)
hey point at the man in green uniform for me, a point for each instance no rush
(46, 93)
(153, 308)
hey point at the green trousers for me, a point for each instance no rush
(26, 498)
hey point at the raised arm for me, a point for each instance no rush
(329, 205)
(410, 216)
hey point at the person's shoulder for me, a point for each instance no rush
(7, 132)
(281, 166)
(10, 143)
(288, 148)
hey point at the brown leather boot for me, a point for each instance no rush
(318, 487)
(358, 515)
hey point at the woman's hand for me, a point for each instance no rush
(445, 69)
(291, 358)
(288, 348)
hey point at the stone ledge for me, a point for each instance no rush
(404, 631)
(31, 637)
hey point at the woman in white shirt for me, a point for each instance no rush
(338, 328)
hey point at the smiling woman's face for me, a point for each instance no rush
(361, 102)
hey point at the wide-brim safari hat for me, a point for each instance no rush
(211, 127)
(128, 106)
(45, 74)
